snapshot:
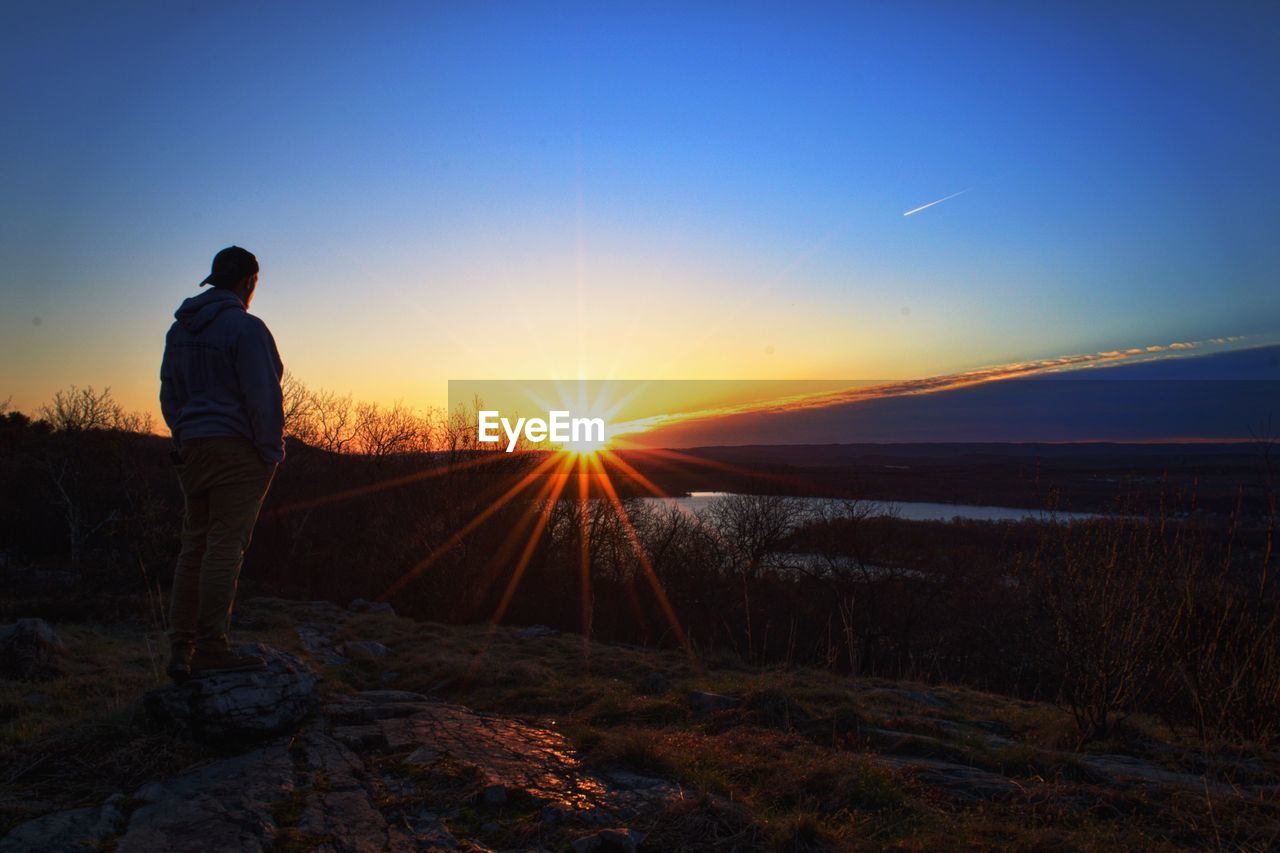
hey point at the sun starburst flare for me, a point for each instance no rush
(541, 489)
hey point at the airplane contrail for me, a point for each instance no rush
(939, 201)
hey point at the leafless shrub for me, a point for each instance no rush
(299, 409)
(82, 409)
(1224, 648)
(338, 424)
(335, 421)
(1104, 591)
(756, 525)
(383, 432)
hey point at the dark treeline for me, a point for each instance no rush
(1138, 613)
(1224, 478)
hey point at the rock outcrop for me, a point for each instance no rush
(364, 649)
(30, 650)
(959, 782)
(707, 703)
(396, 770)
(360, 605)
(238, 704)
(75, 829)
(224, 805)
(506, 758)
(348, 782)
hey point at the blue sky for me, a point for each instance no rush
(709, 190)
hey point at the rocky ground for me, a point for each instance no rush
(363, 775)
(371, 732)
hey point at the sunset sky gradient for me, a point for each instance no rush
(663, 191)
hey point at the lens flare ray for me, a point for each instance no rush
(654, 582)
(462, 533)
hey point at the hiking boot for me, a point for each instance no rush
(179, 668)
(208, 662)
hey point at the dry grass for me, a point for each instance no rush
(72, 741)
(76, 740)
(792, 766)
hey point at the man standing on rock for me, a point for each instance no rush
(220, 395)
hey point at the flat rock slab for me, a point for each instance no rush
(360, 605)
(929, 732)
(608, 841)
(339, 804)
(364, 649)
(958, 781)
(706, 703)
(238, 704)
(535, 762)
(318, 641)
(1126, 769)
(905, 697)
(510, 757)
(75, 829)
(30, 650)
(224, 805)
(358, 737)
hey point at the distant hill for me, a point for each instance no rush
(1221, 397)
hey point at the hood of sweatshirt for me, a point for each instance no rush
(197, 312)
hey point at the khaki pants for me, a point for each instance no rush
(223, 482)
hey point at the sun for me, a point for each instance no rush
(582, 449)
(535, 491)
(588, 400)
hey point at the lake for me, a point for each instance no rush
(909, 510)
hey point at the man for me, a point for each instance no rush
(220, 395)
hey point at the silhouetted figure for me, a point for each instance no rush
(220, 394)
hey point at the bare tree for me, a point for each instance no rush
(141, 422)
(80, 409)
(339, 424)
(334, 419)
(752, 527)
(383, 432)
(299, 409)
(1107, 591)
(757, 525)
(63, 475)
(458, 431)
(74, 411)
(843, 549)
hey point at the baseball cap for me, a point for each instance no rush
(230, 265)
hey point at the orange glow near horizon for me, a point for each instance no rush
(549, 479)
(647, 414)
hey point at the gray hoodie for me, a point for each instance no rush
(221, 374)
